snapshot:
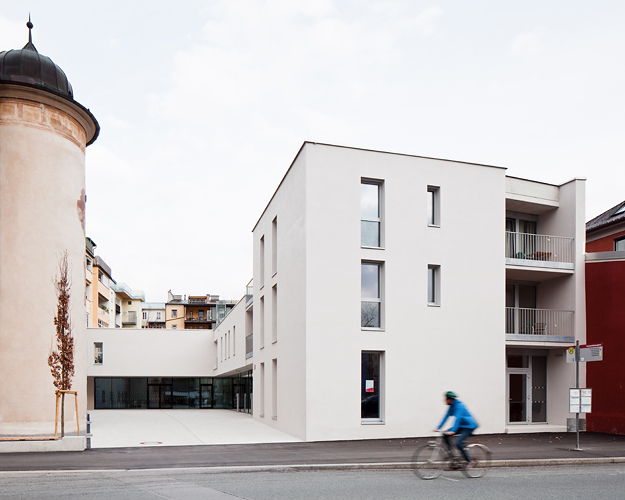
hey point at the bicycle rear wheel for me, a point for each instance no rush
(480, 460)
(428, 462)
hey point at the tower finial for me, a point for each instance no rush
(29, 45)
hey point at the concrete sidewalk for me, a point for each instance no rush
(140, 428)
(508, 450)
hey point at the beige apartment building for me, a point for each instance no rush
(109, 304)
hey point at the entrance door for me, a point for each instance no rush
(517, 397)
(527, 388)
(206, 396)
(159, 393)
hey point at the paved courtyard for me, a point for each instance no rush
(128, 428)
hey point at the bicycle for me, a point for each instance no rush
(431, 460)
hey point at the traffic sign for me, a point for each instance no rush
(593, 352)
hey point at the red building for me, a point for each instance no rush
(605, 317)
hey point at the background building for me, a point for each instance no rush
(605, 296)
(109, 304)
(153, 315)
(195, 312)
(43, 136)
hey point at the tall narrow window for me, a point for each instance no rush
(274, 388)
(262, 390)
(262, 261)
(274, 313)
(371, 294)
(98, 353)
(262, 322)
(434, 206)
(234, 340)
(434, 286)
(274, 246)
(371, 386)
(370, 214)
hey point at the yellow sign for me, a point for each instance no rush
(571, 350)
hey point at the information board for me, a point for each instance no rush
(580, 400)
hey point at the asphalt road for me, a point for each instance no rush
(527, 483)
(507, 447)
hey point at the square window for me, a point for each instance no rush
(433, 207)
(371, 294)
(371, 214)
(434, 285)
(619, 244)
(371, 392)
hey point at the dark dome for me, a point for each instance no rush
(29, 67)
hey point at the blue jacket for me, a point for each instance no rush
(461, 414)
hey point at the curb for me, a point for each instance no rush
(541, 462)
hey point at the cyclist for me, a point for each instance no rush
(463, 427)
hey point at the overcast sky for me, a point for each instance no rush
(203, 105)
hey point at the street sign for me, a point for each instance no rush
(592, 352)
(580, 400)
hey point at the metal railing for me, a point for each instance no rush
(249, 346)
(131, 318)
(249, 293)
(544, 322)
(540, 247)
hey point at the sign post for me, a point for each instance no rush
(580, 400)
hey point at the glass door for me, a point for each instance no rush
(517, 397)
(206, 396)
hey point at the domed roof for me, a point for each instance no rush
(29, 67)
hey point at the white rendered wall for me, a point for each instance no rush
(289, 205)
(151, 352)
(428, 350)
(230, 334)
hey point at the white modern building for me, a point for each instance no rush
(383, 280)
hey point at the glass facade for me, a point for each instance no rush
(177, 393)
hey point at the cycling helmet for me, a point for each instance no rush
(450, 395)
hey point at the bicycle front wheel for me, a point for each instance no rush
(480, 460)
(428, 462)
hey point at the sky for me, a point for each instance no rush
(204, 104)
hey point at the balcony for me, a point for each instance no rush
(540, 250)
(249, 295)
(539, 325)
(249, 346)
(130, 318)
(200, 320)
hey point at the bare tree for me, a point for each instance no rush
(61, 360)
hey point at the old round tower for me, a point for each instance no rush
(43, 136)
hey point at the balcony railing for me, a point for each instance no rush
(540, 247)
(130, 318)
(541, 325)
(199, 320)
(249, 346)
(249, 293)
